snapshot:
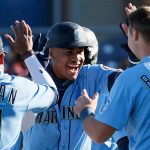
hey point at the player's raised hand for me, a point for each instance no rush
(124, 26)
(84, 101)
(22, 43)
(130, 8)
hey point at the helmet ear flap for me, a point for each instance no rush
(91, 52)
(87, 56)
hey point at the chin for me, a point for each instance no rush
(74, 77)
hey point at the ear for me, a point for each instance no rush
(135, 34)
(124, 28)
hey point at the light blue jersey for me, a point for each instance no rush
(73, 137)
(18, 95)
(129, 98)
(46, 132)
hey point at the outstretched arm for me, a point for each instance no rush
(23, 44)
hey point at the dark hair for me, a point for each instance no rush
(140, 20)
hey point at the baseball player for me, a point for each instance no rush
(17, 96)
(48, 122)
(133, 111)
(93, 77)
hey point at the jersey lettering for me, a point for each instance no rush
(0, 121)
(10, 98)
(105, 105)
(146, 80)
(2, 92)
(47, 117)
(68, 113)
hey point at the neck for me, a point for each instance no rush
(144, 51)
(143, 47)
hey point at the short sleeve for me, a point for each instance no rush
(116, 109)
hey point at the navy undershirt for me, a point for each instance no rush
(61, 85)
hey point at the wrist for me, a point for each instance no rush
(27, 54)
(86, 112)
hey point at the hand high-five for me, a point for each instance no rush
(130, 8)
(84, 101)
(22, 43)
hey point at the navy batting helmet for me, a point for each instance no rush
(91, 53)
(66, 35)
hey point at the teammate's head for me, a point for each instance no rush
(91, 53)
(139, 30)
(67, 41)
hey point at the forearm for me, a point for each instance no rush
(90, 128)
(38, 73)
(96, 130)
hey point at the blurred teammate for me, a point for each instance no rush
(131, 88)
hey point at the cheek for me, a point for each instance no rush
(83, 57)
(60, 62)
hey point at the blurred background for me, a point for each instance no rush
(102, 16)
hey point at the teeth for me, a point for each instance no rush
(73, 65)
(73, 69)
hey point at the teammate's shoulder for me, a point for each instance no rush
(132, 70)
(103, 67)
(21, 81)
(126, 75)
(100, 68)
(6, 77)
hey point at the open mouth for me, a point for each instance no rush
(73, 68)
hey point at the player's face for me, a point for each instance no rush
(66, 63)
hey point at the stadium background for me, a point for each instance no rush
(103, 17)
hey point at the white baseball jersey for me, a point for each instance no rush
(18, 95)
